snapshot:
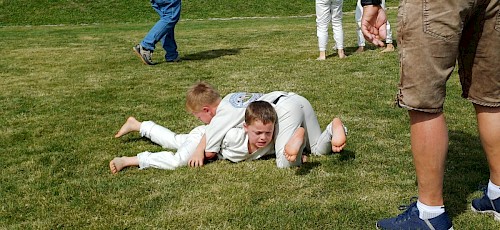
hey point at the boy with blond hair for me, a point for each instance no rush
(297, 126)
(248, 142)
(225, 128)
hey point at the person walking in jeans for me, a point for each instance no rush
(163, 31)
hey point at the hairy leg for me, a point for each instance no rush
(119, 163)
(429, 145)
(293, 146)
(488, 121)
(130, 125)
(339, 137)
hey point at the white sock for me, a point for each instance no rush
(493, 191)
(428, 212)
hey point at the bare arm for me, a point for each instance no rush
(200, 155)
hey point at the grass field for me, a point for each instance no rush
(65, 90)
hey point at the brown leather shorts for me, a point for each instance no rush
(433, 36)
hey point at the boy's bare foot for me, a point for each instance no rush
(322, 56)
(341, 53)
(388, 48)
(360, 49)
(118, 163)
(304, 158)
(294, 145)
(339, 137)
(130, 125)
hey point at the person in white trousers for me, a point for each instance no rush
(361, 39)
(183, 143)
(296, 114)
(297, 129)
(329, 11)
(248, 142)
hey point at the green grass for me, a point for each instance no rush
(65, 90)
(55, 12)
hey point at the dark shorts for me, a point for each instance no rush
(433, 35)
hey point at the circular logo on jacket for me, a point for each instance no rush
(242, 99)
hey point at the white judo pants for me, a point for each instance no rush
(185, 144)
(329, 11)
(359, 14)
(295, 111)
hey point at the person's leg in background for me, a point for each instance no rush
(357, 16)
(323, 17)
(338, 31)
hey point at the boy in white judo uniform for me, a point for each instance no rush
(297, 126)
(248, 142)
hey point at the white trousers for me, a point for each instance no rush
(329, 11)
(359, 14)
(185, 144)
(295, 111)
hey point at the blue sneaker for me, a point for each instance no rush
(485, 205)
(409, 220)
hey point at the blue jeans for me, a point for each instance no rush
(169, 12)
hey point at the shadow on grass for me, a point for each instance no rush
(211, 54)
(346, 155)
(132, 139)
(352, 50)
(342, 157)
(306, 168)
(466, 170)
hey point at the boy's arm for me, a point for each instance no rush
(198, 156)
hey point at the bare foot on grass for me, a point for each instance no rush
(389, 48)
(339, 137)
(119, 163)
(294, 145)
(360, 49)
(130, 125)
(341, 53)
(322, 56)
(304, 158)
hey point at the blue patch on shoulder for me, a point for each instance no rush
(242, 99)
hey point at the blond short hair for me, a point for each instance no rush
(260, 111)
(201, 94)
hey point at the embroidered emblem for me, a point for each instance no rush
(242, 99)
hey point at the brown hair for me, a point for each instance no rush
(260, 111)
(199, 95)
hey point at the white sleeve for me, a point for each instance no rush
(235, 145)
(230, 113)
